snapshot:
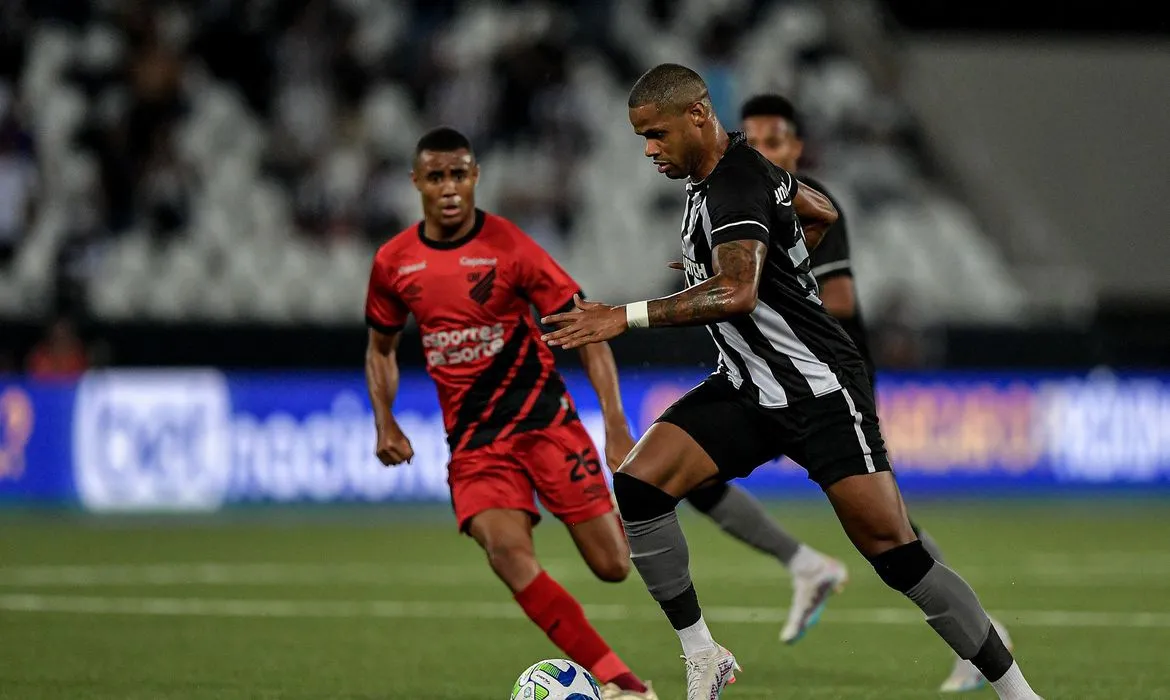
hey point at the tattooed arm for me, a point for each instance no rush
(739, 204)
(730, 292)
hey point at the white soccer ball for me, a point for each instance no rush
(556, 679)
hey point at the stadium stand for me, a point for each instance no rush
(240, 161)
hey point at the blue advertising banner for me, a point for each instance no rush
(201, 439)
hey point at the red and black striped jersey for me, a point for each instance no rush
(472, 300)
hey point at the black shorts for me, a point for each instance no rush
(831, 436)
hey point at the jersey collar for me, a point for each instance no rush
(735, 139)
(451, 245)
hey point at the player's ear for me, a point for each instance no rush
(474, 172)
(415, 180)
(698, 113)
(798, 148)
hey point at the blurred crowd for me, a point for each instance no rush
(342, 88)
(305, 67)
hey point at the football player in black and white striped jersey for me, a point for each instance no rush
(790, 382)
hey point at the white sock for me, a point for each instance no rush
(696, 638)
(1013, 686)
(806, 562)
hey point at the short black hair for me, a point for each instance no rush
(772, 105)
(668, 85)
(442, 139)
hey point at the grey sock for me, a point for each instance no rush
(744, 518)
(660, 554)
(952, 609)
(928, 542)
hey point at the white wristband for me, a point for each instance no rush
(638, 315)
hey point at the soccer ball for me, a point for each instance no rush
(555, 679)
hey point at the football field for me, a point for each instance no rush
(389, 602)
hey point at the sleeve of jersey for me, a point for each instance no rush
(738, 204)
(542, 280)
(385, 311)
(831, 257)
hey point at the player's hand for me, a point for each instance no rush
(393, 446)
(618, 444)
(589, 322)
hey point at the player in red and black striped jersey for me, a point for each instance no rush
(470, 278)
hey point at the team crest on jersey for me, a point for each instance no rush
(482, 285)
(412, 291)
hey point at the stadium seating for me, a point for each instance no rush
(240, 258)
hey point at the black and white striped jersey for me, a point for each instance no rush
(789, 348)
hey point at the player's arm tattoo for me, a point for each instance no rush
(730, 292)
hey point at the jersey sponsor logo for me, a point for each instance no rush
(481, 289)
(783, 195)
(476, 262)
(455, 347)
(146, 440)
(413, 267)
(695, 270)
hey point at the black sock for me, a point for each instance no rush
(682, 610)
(993, 658)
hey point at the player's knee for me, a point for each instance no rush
(612, 568)
(637, 466)
(510, 557)
(639, 501)
(877, 537)
(902, 567)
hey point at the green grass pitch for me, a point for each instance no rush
(388, 602)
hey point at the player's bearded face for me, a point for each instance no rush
(775, 139)
(446, 180)
(671, 140)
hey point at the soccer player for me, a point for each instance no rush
(790, 382)
(772, 126)
(470, 279)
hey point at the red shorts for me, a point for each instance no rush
(559, 463)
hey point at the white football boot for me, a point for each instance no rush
(709, 672)
(810, 593)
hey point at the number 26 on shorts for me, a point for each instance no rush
(582, 464)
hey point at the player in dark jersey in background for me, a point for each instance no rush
(470, 279)
(790, 382)
(773, 128)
